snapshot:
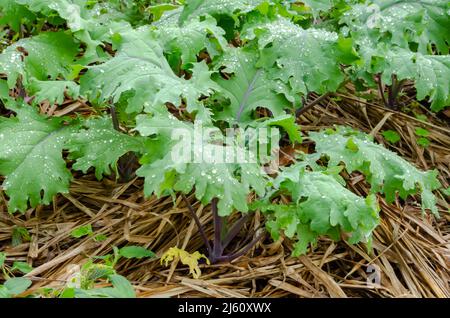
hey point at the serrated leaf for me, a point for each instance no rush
(47, 55)
(430, 73)
(212, 177)
(220, 181)
(306, 237)
(401, 22)
(14, 15)
(283, 219)
(408, 52)
(91, 26)
(287, 122)
(53, 91)
(321, 206)
(193, 37)
(248, 88)
(67, 9)
(198, 8)
(28, 141)
(100, 146)
(305, 59)
(386, 171)
(140, 66)
(160, 127)
(210, 181)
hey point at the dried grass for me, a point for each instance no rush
(412, 251)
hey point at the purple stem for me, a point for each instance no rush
(198, 223)
(216, 251)
(218, 224)
(248, 247)
(380, 89)
(115, 119)
(234, 231)
(393, 92)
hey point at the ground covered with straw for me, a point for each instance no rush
(410, 251)
(93, 202)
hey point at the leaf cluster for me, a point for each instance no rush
(217, 64)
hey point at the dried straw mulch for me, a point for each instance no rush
(412, 252)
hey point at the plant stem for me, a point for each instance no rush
(215, 252)
(218, 224)
(198, 223)
(381, 90)
(248, 247)
(126, 166)
(393, 92)
(234, 231)
(115, 119)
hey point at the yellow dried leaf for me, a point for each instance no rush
(186, 258)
